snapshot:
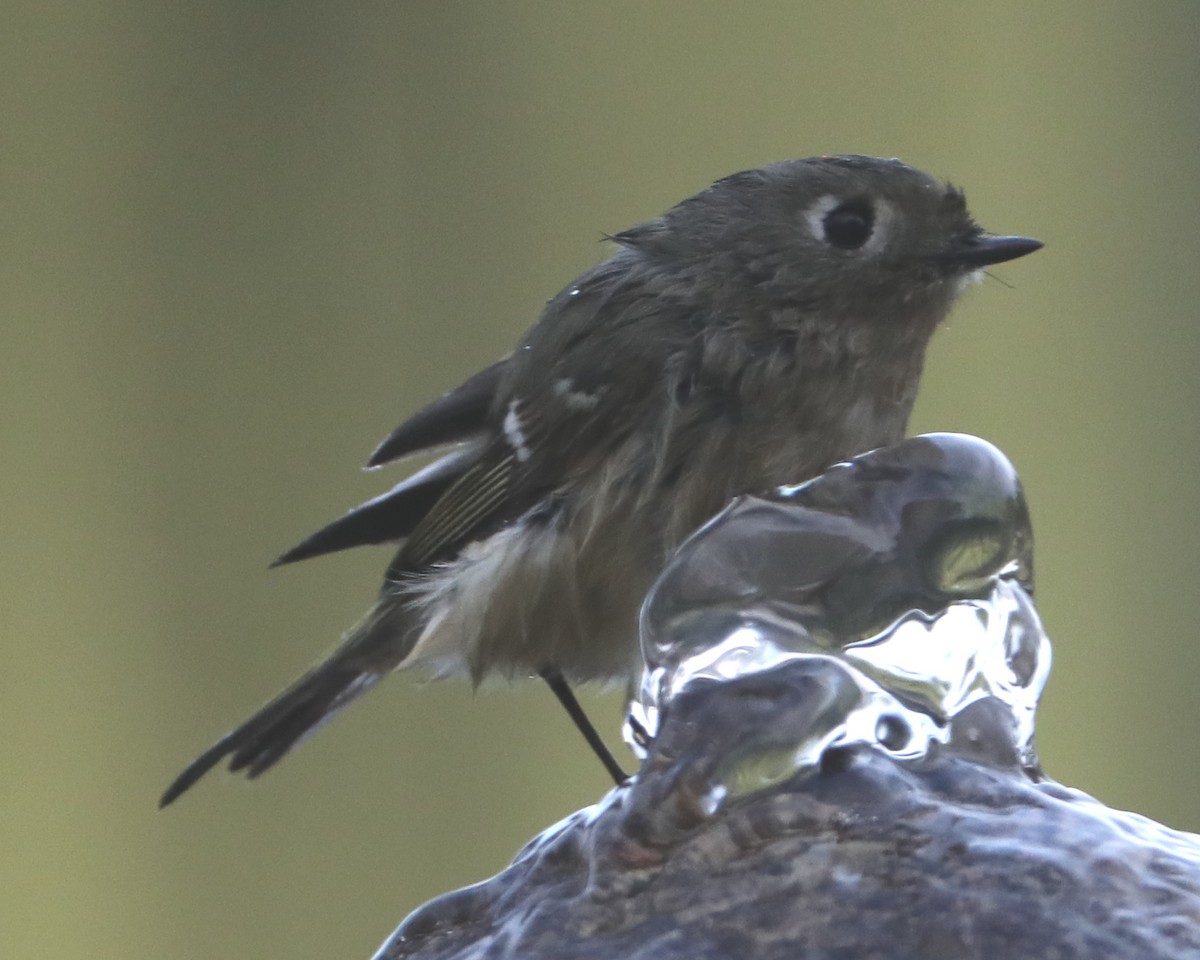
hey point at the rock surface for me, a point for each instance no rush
(865, 857)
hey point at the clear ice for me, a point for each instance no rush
(904, 577)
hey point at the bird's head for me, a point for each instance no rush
(855, 239)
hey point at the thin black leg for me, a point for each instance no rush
(566, 696)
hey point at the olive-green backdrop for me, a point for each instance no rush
(239, 241)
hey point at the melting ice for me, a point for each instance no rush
(907, 569)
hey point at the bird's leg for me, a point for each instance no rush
(566, 696)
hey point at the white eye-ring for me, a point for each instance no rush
(855, 223)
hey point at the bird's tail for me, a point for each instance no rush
(372, 650)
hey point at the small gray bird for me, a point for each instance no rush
(752, 336)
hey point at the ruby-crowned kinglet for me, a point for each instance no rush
(752, 336)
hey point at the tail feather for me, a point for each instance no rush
(262, 741)
(372, 650)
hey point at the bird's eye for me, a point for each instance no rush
(849, 225)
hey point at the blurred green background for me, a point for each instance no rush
(242, 240)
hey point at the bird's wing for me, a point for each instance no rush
(458, 417)
(573, 394)
(391, 516)
(526, 424)
(486, 496)
(454, 417)
(534, 448)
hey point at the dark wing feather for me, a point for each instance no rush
(563, 405)
(479, 495)
(453, 417)
(391, 516)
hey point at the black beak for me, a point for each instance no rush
(985, 250)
